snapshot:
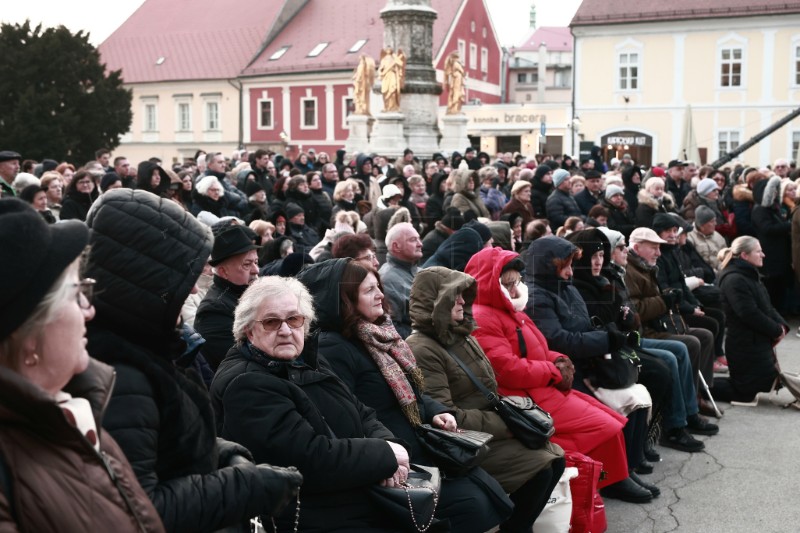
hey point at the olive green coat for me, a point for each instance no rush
(433, 296)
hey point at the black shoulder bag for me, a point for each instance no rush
(529, 423)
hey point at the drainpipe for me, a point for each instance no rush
(574, 64)
(241, 111)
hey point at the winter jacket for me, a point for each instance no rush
(214, 319)
(76, 205)
(160, 413)
(58, 479)
(494, 200)
(742, 208)
(304, 237)
(631, 188)
(201, 202)
(456, 251)
(308, 203)
(324, 208)
(619, 218)
(434, 239)
(397, 277)
(560, 206)
(434, 207)
(649, 206)
(525, 210)
(642, 282)
(582, 423)
(465, 200)
(678, 189)
(236, 199)
(300, 414)
(708, 246)
(540, 191)
(671, 275)
(753, 325)
(432, 299)
(772, 231)
(586, 200)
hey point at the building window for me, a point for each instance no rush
(317, 50)
(348, 107)
(212, 116)
(184, 116)
(265, 121)
(795, 145)
(150, 117)
(472, 26)
(473, 56)
(356, 47)
(462, 50)
(484, 60)
(308, 108)
(728, 140)
(797, 65)
(629, 71)
(563, 79)
(522, 77)
(279, 53)
(731, 67)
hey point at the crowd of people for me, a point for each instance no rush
(186, 347)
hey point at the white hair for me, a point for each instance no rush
(396, 232)
(206, 182)
(264, 290)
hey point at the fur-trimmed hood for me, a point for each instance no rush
(767, 191)
(742, 193)
(461, 179)
(649, 200)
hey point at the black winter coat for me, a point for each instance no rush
(752, 327)
(432, 241)
(775, 236)
(300, 414)
(560, 206)
(671, 275)
(214, 319)
(76, 205)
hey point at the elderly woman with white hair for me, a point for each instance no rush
(653, 199)
(209, 195)
(274, 395)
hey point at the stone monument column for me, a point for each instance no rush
(408, 25)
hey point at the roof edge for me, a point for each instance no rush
(684, 14)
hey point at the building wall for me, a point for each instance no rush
(679, 66)
(166, 137)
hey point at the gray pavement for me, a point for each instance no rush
(746, 480)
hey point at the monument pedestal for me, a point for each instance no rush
(454, 133)
(358, 140)
(387, 136)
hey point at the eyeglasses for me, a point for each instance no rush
(511, 284)
(273, 323)
(86, 289)
(369, 255)
(83, 182)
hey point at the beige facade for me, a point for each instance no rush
(736, 76)
(172, 120)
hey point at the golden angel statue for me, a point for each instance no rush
(454, 83)
(363, 79)
(392, 71)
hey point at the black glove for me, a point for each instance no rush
(633, 340)
(672, 297)
(616, 340)
(228, 452)
(626, 321)
(281, 486)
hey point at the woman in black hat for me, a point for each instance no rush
(52, 395)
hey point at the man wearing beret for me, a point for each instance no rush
(9, 168)
(234, 259)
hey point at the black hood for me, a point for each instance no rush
(322, 281)
(456, 251)
(143, 174)
(589, 241)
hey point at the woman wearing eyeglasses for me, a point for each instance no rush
(361, 344)
(78, 197)
(274, 395)
(59, 469)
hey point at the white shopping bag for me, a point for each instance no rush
(556, 515)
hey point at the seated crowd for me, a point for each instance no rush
(187, 348)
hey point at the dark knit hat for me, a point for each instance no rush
(292, 210)
(703, 215)
(252, 187)
(663, 221)
(8, 155)
(232, 241)
(36, 254)
(482, 229)
(453, 219)
(49, 164)
(108, 179)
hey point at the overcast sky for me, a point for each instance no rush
(102, 17)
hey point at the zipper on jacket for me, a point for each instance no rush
(104, 459)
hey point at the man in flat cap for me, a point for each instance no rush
(9, 168)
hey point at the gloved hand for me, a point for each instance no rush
(567, 370)
(634, 340)
(672, 297)
(228, 450)
(616, 340)
(627, 318)
(281, 486)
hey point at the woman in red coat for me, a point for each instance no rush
(524, 366)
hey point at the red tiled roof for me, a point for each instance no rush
(557, 39)
(198, 39)
(594, 12)
(340, 23)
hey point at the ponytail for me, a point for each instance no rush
(724, 257)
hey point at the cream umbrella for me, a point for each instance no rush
(688, 149)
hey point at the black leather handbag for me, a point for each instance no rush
(455, 453)
(529, 423)
(413, 504)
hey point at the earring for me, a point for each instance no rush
(33, 361)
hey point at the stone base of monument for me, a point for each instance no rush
(358, 140)
(454, 134)
(388, 138)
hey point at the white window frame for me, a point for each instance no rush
(484, 59)
(357, 46)
(731, 42)
(794, 58)
(629, 60)
(211, 119)
(461, 44)
(148, 104)
(345, 109)
(473, 56)
(794, 144)
(279, 52)
(260, 123)
(317, 50)
(303, 124)
(731, 61)
(627, 47)
(183, 102)
(522, 78)
(728, 134)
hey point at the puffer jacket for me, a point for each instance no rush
(432, 299)
(648, 206)
(214, 318)
(146, 255)
(465, 200)
(560, 206)
(454, 252)
(46, 459)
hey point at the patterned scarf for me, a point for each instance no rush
(396, 363)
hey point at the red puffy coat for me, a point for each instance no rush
(582, 423)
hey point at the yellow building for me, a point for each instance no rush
(643, 68)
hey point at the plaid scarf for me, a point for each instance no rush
(395, 362)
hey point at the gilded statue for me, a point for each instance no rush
(392, 71)
(454, 83)
(363, 79)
